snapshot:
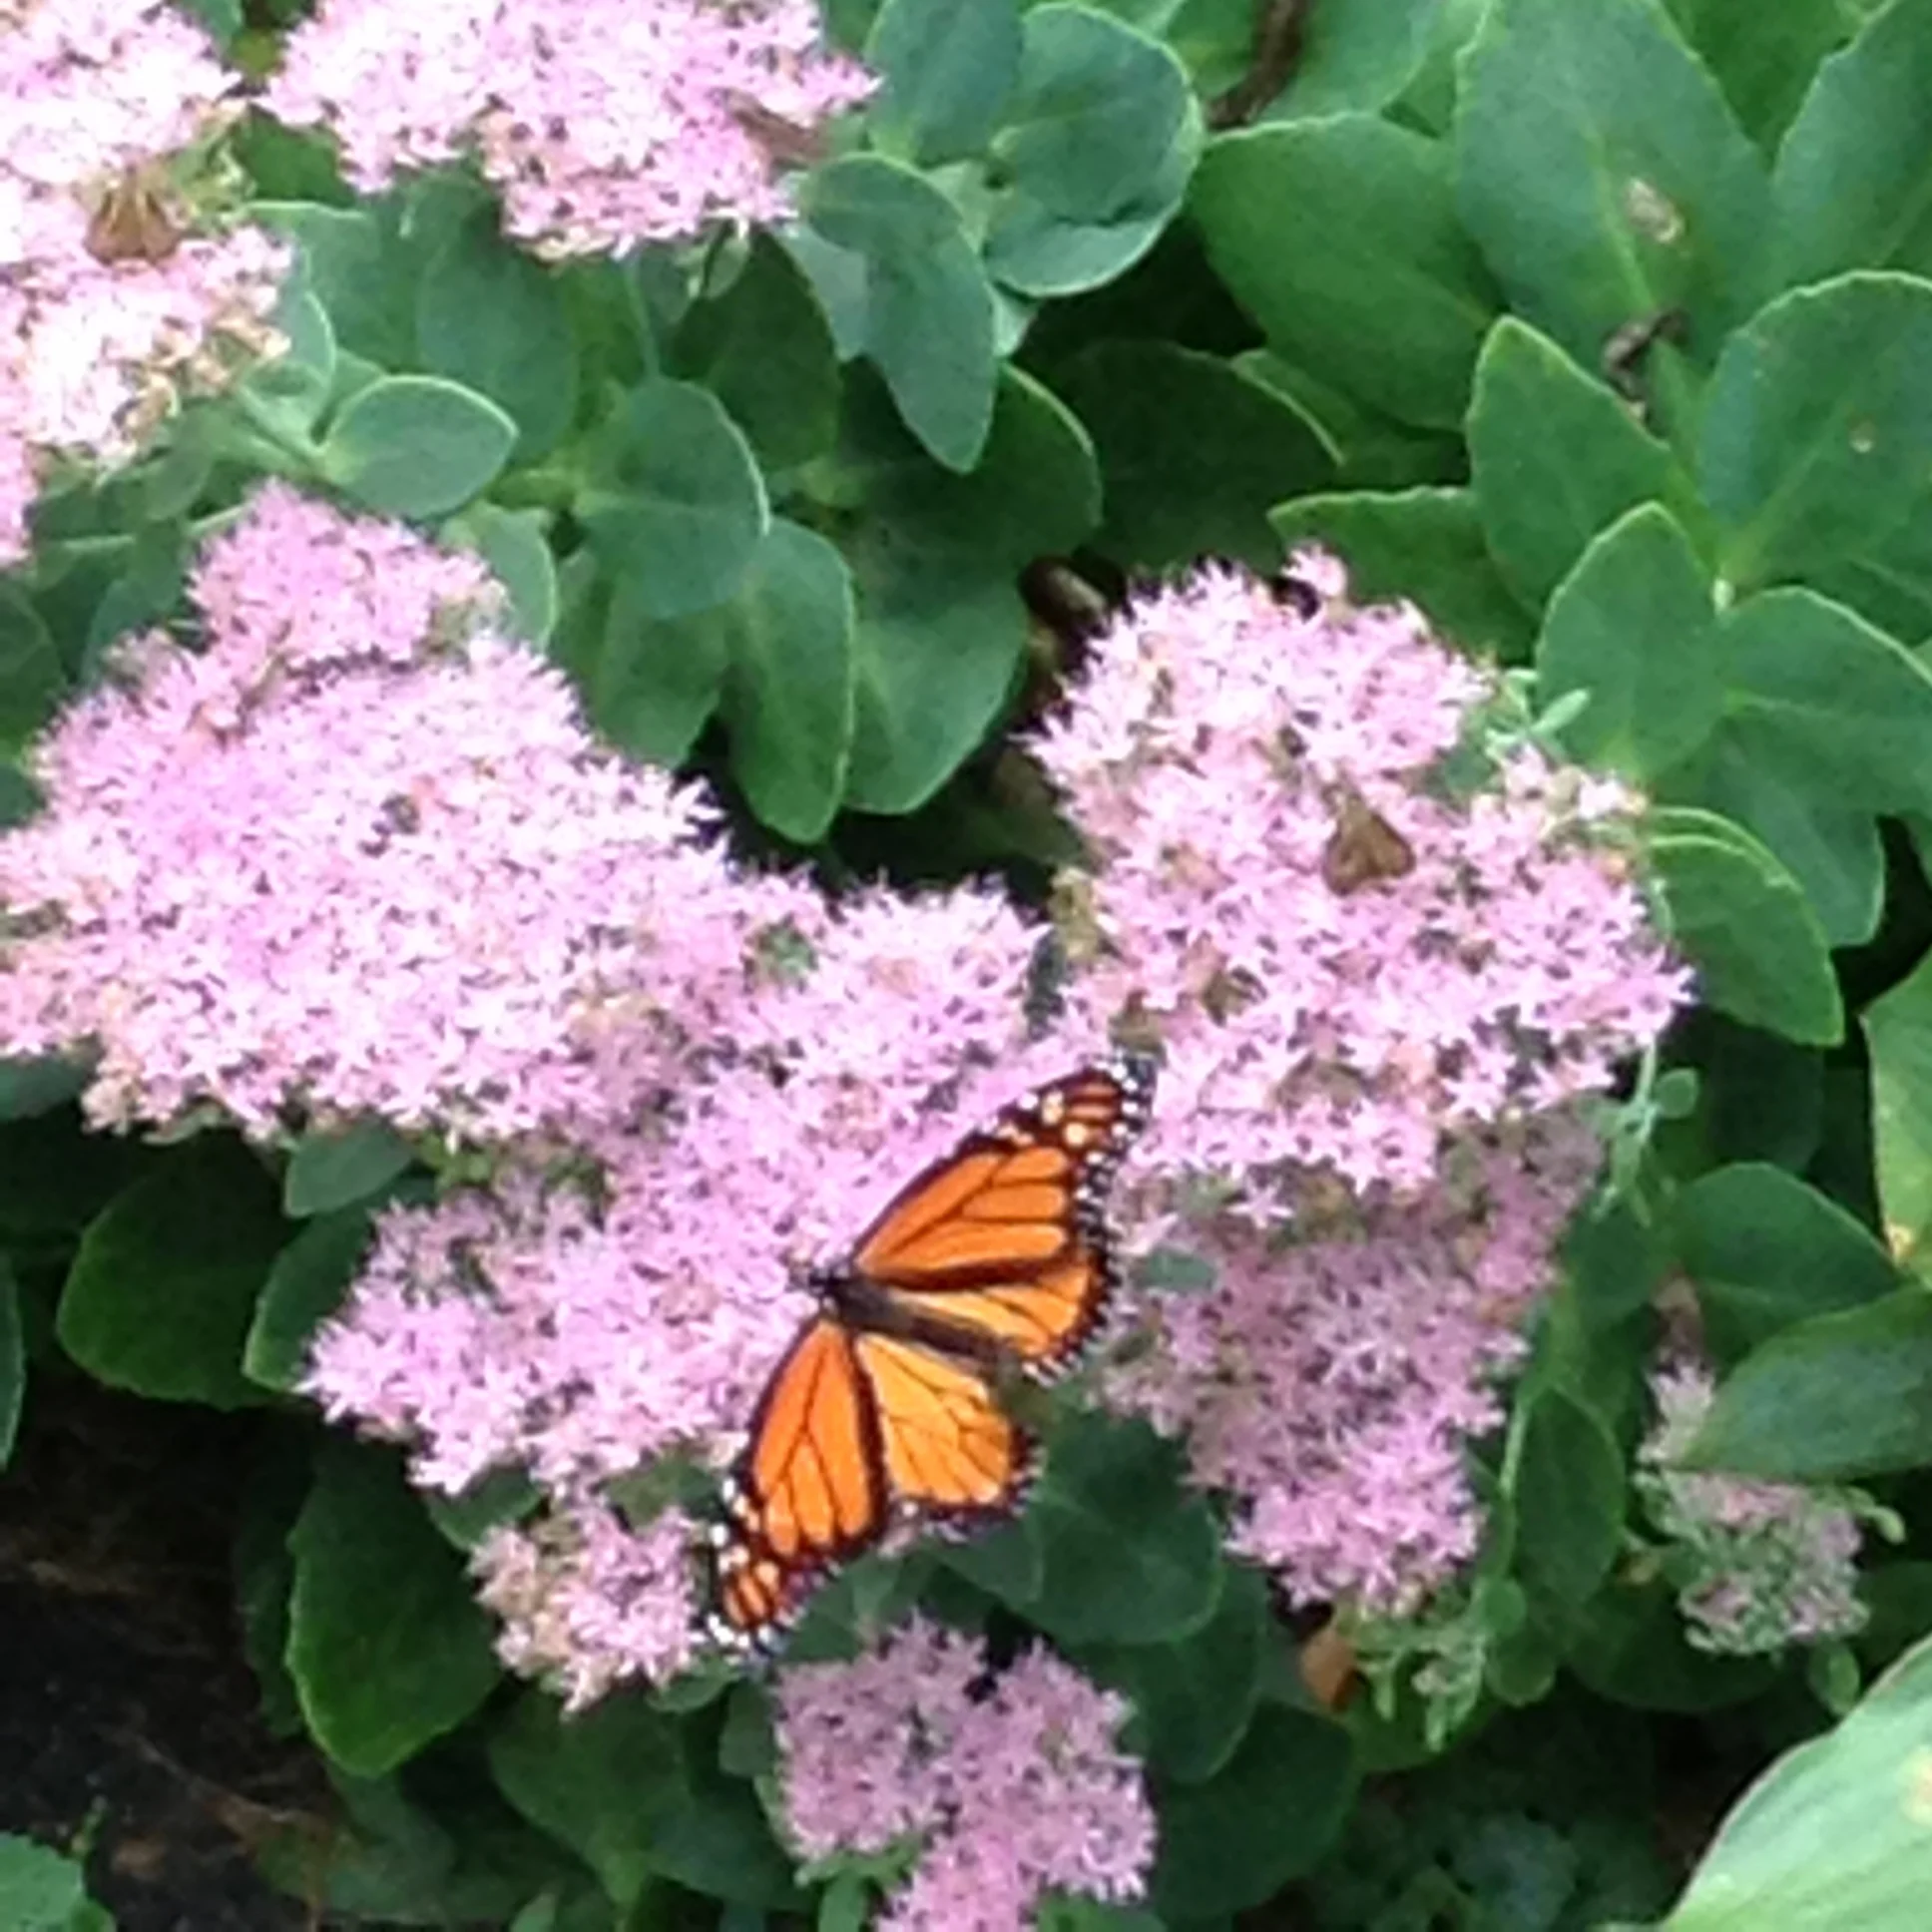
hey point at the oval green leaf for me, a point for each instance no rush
(1767, 1250)
(1340, 239)
(1816, 437)
(1761, 954)
(164, 1286)
(676, 501)
(416, 445)
(1634, 624)
(386, 1643)
(1555, 457)
(1832, 1399)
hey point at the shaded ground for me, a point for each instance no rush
(128, 1720)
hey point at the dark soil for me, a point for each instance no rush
(131, 1727)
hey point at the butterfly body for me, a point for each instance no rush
(992, 1263)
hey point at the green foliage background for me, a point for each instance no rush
(1601, 329)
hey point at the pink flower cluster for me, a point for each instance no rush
(355, 854)
(602, 122)
(1332, 1376)
(582, 1338)
(1498, 964)
(1002, 1789)
(1383, 994)
(1757, 1565)
(583, 1598)
(115, 296)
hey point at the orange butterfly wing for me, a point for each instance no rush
(881, 1410)
(1005, 1241)
(855, 1431)
(809, 1490)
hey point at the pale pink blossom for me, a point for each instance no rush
(1003, 1786)
(355, 854)
(1332, 1377)
(1757, 1565)
(586, 1601)
(603, 123)
(1498, 964)
(100, 99)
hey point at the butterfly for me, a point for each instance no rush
(884, 1408)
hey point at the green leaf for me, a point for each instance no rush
(1095, 113)
(350, 262)
(494, 319)
(1745, 924)
(1850, 184)
(1005, 1563)
(1193, 454)
(1631, 1648)
(31, 676)
(1613, 1262)
(55, 1178)
(512, 543)
(40, 1891)
(306, 1285)
(628, 1791)
(1817, 425)
(947, 69)
(1269, 1816)
(788, 698)
(1836, 706)
(1194, 1698)
(1035, 251)
(1767, 1250)
(29, 1087)
(1833, 1834)
(1130, 1553)
(923, 307)
(941, 627)
(1834, 854)
(293, 388)
(1898, 1037)
(1340, 239)
(675, 502)
(1425, 546)
(1835, 1398)
(764, 349)
(331, 1170)
(1555, 458)
(1762, 1098)
(651, 684)
(416, 445)
(1602, 176)
(498, 1497)
(1763, 58)
(1567, 1495)
(385, 1641)
(1354, 58)
(13, 1362)
(163, 1289)
(1634, 624)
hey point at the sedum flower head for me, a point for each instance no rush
(106, 316)
(603, 123)
(1331, 1378)
(584, 1332)
(1348, 960)
(1003, 1789)
(586, 1601)
(356, 854)
(1759, 1565)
